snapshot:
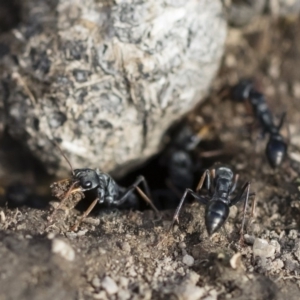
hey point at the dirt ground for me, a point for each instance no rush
(128, 255)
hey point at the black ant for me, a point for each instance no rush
(180, 161)
(276, 147)
(108, 191)
(219, 199)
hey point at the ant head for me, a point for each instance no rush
(241, 91)
(276, 151)
(181, 159)
(88, 179)
(216, 214)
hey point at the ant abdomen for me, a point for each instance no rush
(276, 151)
(216, 214)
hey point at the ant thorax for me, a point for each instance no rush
(108, 189)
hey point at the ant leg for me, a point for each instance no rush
(147, 199)
(208, 183)
(178, 209)
(247, 188)
(238, 198)
(233, 187)
(131, 189)
(282, 119)
(86, 213)
(173, 188)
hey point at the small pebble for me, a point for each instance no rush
(96, 283)
(262, 248)
(188, 260)
(236, 261)
(123, 281)
(101, 295)
(190, 292)
(63, 249)
(51, 236)
(276, 245)
(193, 277)
(82, 232)
(2, 217)
(249, 239)
(126, 247)
(109, 285)
(124, 295)
(182, 245)
(71, 235)
(277, 264)
(293, 234)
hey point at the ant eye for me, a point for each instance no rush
(87, 184)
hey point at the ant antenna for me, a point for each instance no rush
(64, 156)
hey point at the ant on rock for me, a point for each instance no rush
(276, 147)
(220, 184)
(107, 190)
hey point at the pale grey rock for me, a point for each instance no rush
(107, 78)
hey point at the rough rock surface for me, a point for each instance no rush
(107, 78)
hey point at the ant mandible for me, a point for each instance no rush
(276, 147)
(220, 184)
(108, 191)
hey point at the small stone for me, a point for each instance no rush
(189, 292)
(277, 264)
(100, 296)
(132, 272)
(188, 260)
(123, 295)
(233, 212)
(293, 234)
(291, 265)
(96, 282)
(193, 277)
(82, 232)
(125, 247)
(51, 236)
(182, 245)
(249, 239)
(123, 282)
(63, 249)
(262, 248)
(71, 235)
(236, 261)
(101, 251)
(276, 245)
(109, 285)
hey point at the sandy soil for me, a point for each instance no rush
(128, 255)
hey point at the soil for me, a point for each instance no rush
(129, 255)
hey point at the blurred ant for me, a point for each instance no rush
(220, 184)
(276, 147)
(181, 162)
(108, 191)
